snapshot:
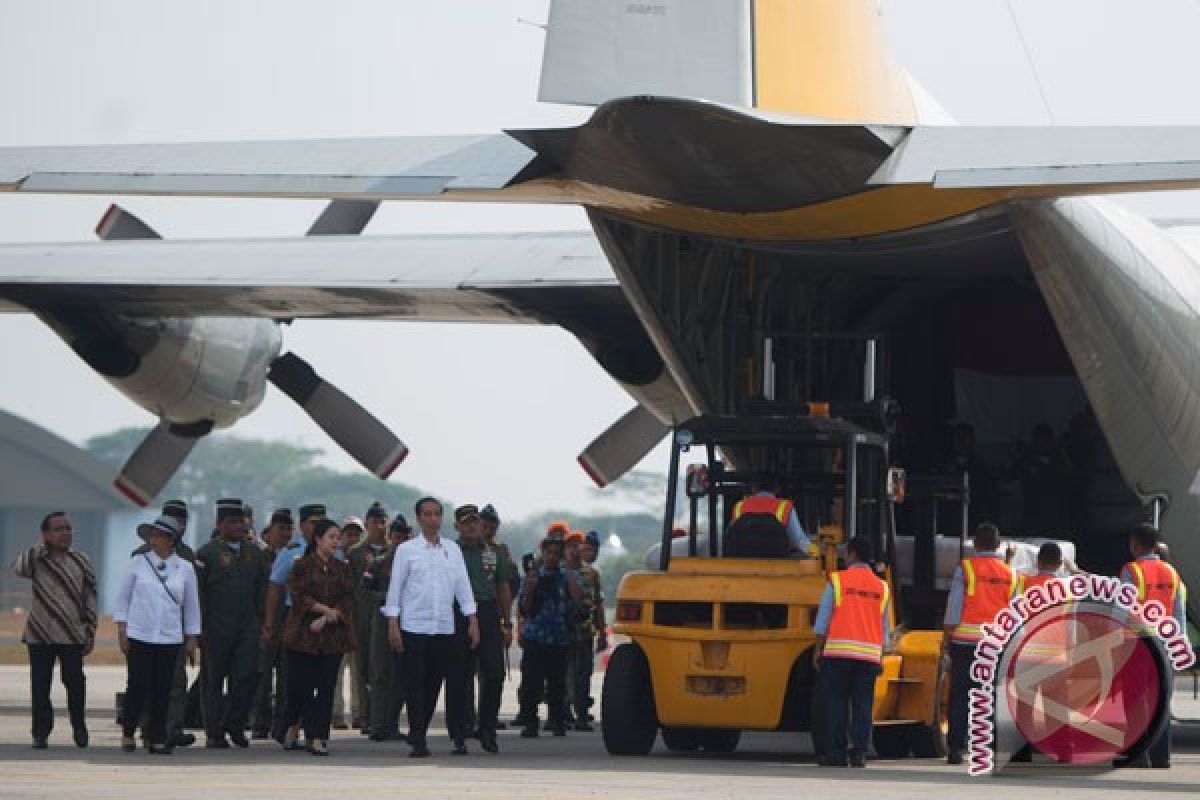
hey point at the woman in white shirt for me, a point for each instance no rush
(157, 611)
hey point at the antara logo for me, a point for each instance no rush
(1077, 669)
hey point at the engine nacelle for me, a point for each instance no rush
(183, 370)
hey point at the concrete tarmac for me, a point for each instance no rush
(765, 766)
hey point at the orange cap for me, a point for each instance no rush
(558, 527)
(576, 536)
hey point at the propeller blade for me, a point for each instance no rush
(156, 459)
(344, 217)
(622, 446)
(365, 438)
(117, 223)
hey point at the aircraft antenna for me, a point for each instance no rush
(1037, 78)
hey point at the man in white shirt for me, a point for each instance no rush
(428, 578)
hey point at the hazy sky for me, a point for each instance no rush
(490, 412)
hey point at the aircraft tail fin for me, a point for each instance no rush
(817, 58)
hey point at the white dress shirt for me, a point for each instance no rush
(150, 614)
(426, 580)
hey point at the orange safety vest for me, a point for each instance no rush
(988, 585)
(1025, 582)
(860, 601)
(1155, 579)
(776, 507)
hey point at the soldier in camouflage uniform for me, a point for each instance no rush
(490, 527)
(362, 558)
(488, 571)
(385, 675)
(232, 577)
(588, 632)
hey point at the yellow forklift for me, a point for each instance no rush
(721, 634)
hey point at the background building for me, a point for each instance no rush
(39, 473)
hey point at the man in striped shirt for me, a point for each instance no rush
(61, 624)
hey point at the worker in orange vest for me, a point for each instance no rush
(982, 585)
(852, 630)
(765, 500)
(1155, 579)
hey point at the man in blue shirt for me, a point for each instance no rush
(548, 597)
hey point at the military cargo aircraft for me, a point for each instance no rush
(768, 189)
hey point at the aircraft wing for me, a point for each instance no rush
(408, 166)
(684, 151)
(973, 157)
(560, 278)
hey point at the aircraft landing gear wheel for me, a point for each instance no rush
(628, 721)
(720, 740)
(681, 740)
(893, 741)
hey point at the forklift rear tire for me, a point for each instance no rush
(681, 740)
(628, 720)
(720, 740)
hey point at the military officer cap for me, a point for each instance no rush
(230, 507)
(400, 524)
(488, 513)
(464, 513)
(175, 508)
(281, 516)
(312, 510)
(376, 511)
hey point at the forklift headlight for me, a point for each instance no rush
(629, 612)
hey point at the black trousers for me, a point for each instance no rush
(177, 705)
(958, 708)
(850, 690)
(151, 675)
(41, 674)
(311, 679)
(426, 660)
(485, 663)
(543, 665)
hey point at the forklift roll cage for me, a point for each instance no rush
(852, 465)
